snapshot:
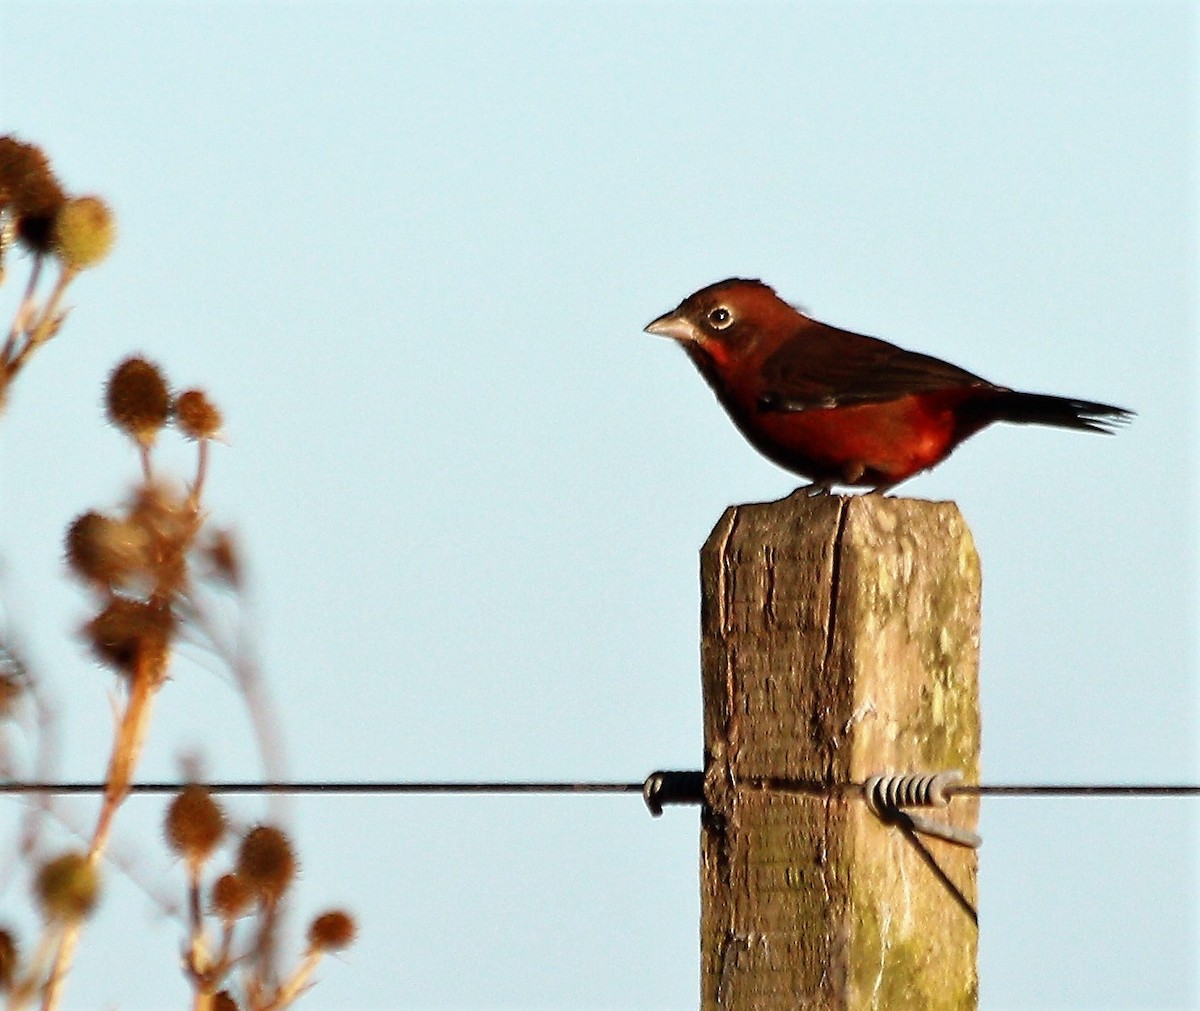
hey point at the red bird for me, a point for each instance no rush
(838, 407)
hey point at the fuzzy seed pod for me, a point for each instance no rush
(162, 514)
(9, 960)
(137, 399)
(166, 521)
(195, 824)
(332, 931)
(128, 633)
(67, 888)
(13, 688)
(87, 554)
(223, 556)
(267, 862)
(30, 191)
(231, 897)
(195, 415)
(104, 551)
(83, 232)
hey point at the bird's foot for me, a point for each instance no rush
(815, 489)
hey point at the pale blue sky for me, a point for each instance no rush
(410, 248)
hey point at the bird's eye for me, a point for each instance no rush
(720, 317)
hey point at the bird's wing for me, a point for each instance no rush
(822, 366)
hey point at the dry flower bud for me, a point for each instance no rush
(332, 931)
(231, 897)
(83, 232)
(166, 521)
(28, 188)
(223, 1001)
(67, 888)
(105, 551)
(9, 960)
(162, 513)
(267, 862)
(128, 633)
(86, 545)
(137, 399)
(195, 824)
(195, 415)
(13, 686)
(224, 558)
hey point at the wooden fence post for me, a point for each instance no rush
(840, 640)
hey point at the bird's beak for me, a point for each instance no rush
(673, 326)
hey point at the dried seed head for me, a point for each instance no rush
(195, 824)
(67, 888)
(267, 862)
(195, 415)
(332, 931)
(13, 687)
(163, 514)
(83, 232)
(105, 551)
(223, 1001)
(137, 399)
(231, 897)
(36, 231)
(224, 558)
(168, 524)
(9, 960)
(128, 634)
(28, 188)
(86, 545)
(24, 172)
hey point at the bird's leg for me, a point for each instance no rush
(883, 489)
(816, 488)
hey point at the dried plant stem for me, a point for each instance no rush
(147, 678)
(263, 956)
(298, 983)
(45, 763)
(195, 915)
(199, 960)
(127, 748)
(233, 651)
(201, 473)
(25, 988)
(25, 310)
(46, 325)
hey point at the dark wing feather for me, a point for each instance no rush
(822, 366)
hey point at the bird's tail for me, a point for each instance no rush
(1061, 412)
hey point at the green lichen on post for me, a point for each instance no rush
(896, 968)
(915, 625)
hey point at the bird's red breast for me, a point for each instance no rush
(838, 407)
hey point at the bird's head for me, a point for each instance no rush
(725, 318)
